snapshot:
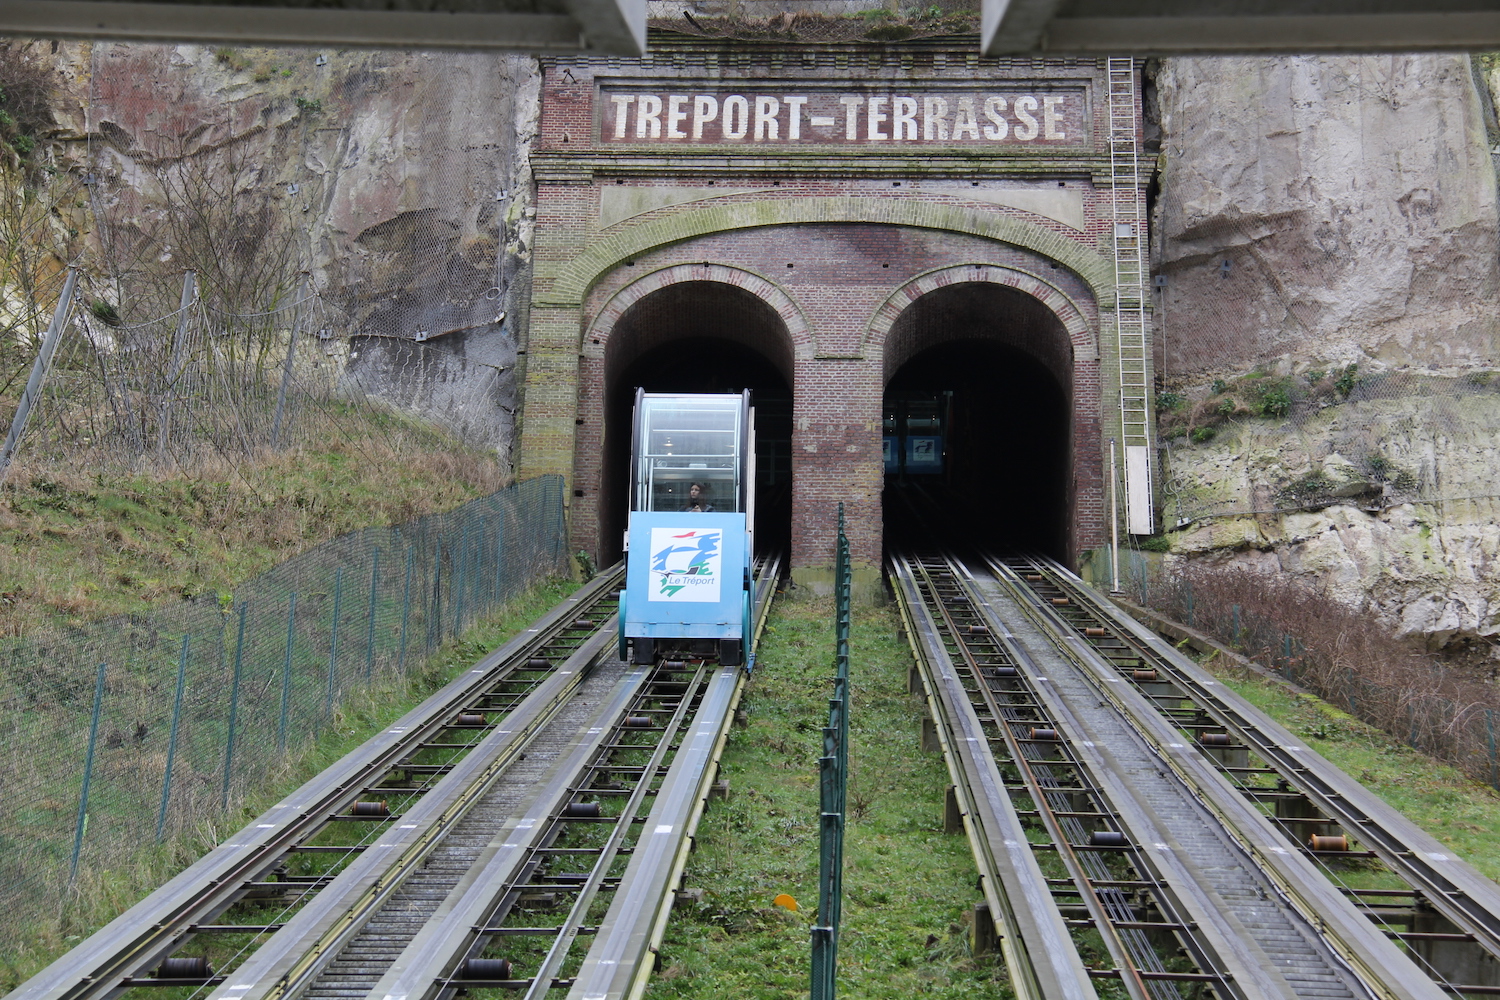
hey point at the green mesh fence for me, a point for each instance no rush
(202, 701)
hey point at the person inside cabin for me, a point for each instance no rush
(697, 500)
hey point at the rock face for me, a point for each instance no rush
(1337, 209)
(1421, 549)
(1315, 214)
(402, 180)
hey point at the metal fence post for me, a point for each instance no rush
(234, 705)
(460, 562)
(88, 774)
(38, 373)
(500, 559)
(370, 625)
(435, 617)
(333, 646)
(286, 672)
(1234, 614)
(286, 371)
(1489, 729)
(179, 342)
(405, 609)
(166, 781)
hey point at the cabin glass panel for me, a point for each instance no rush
(686, 440)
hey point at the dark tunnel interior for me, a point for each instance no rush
(704, 364)
(1006, 447)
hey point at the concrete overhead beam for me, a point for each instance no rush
(616, 27)
(1150, 27)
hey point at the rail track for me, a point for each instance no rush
(543, 800)
(1141, 830)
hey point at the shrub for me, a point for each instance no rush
(1345, 655)
(1276, 401)
(1346, 380)
(105, 312)
(1202, 435)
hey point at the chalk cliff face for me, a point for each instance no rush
(1336, 209)
(1419, 545)
(1317, 213)
(404, 176)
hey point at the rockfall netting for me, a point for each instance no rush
(326, 257)
(127, 731)
(1359, 435)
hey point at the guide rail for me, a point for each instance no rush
(1164, 874)
(1444, 915)
(394, 769)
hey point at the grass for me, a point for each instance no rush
(76, 546)
(1460, 813)
(100, 896)
(909, 888)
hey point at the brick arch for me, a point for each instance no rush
(797, 330)
(1054, 329)
(781, 334)
(567, 283)
(1074, 322)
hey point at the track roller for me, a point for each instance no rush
(185, 968)
(485, 968)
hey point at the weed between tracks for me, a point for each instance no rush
(909, 889)
(100, 896)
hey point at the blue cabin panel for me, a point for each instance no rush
(686, 575)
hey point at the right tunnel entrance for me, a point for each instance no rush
(978, 428)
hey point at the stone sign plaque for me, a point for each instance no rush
(935, 116)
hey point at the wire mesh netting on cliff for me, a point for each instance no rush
(1355, 434)
(124, 732)
(201, 388)
(330, 259)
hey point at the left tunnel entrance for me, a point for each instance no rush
(700, 336)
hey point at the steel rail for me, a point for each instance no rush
(620, 961)
(542, 980)
(1138, 962)
(1453, 888)
(1381, 966)
(310, 940)
(1037, 947)
(429, 965)
(137, 940)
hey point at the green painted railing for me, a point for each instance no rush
(833, 769)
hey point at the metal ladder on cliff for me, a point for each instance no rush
(1130, 297)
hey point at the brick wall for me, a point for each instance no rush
(835, 284)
